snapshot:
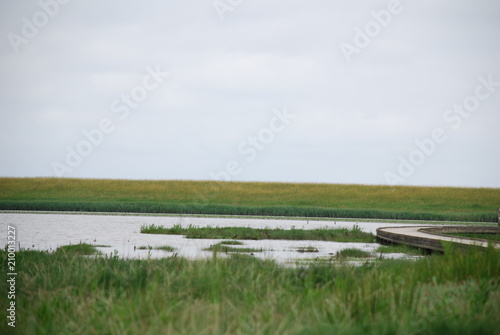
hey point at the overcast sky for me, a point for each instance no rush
(364, 92)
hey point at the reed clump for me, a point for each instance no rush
(354, 234)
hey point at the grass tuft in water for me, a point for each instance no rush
(307, 249)
(354, 253)
(243, 233)
(220, 247)
(78, 249)
(231, 243)
(164, 248)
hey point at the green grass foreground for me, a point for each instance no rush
(237, 198)
(245, 233)
(454, 293)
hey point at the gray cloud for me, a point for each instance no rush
(353, 120)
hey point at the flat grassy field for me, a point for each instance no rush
(65, 293)
(237, 198)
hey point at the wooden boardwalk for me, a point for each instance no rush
(431, 237)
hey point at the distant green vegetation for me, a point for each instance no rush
(243, 233)
(60, 293)
(236, 198)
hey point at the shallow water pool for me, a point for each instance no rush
(121, 235)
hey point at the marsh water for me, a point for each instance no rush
(120, 235)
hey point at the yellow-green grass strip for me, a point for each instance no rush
(251, 199)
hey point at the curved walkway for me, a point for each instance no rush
(431, 237)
